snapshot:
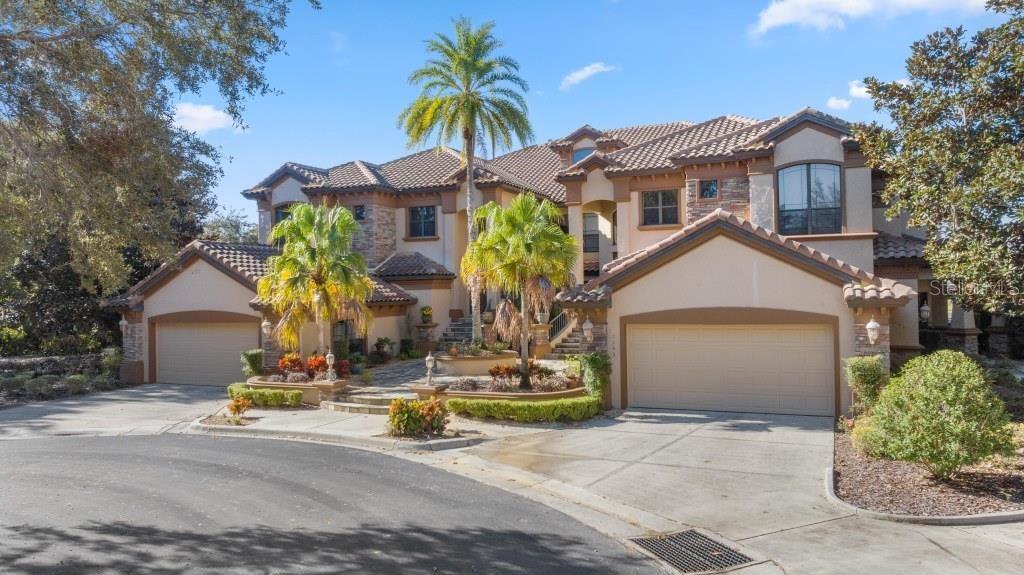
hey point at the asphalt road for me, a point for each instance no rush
(192, 504)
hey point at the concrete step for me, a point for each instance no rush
(350, 407)
(374, 398)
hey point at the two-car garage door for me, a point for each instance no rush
(754, 368)
(203, 353)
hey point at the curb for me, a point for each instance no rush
(344, 440)
(979, 519)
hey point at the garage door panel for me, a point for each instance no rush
(202, 353)
(758, 368)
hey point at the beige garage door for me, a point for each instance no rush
(753, 368)
(202, 353)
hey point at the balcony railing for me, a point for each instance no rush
(557, 325)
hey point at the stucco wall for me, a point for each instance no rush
(858, 200)
(287, 191)
(808, 144)
(438, 299)
(197, 287)
(728, 274)
(859, 252)
(433, 248)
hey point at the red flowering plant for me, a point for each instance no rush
(290, 363)
(316, 364)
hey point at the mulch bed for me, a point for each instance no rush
(907, 488)
(225, 420)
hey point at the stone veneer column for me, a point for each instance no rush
(132, 349)
(733, 196)
(861, 344)
(377, 237)
(998, 337)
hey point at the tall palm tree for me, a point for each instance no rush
(317, 278)
(522, 250)
(467, 91)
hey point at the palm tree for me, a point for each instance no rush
(317, 277)
(523, 251)
(467, 91)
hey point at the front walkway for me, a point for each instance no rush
(752, 478)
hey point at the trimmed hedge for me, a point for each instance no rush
(266, 397)
(569, 409)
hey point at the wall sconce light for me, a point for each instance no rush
(267, 327)
(123, 324)
(925, 312)
(873, 327)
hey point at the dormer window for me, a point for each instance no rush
(580, 153)
(810, 200)
(282, 212)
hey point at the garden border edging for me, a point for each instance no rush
(339, 439)
(949, 520)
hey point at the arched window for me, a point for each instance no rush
(810, 199)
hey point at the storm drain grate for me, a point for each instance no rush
(690, 552)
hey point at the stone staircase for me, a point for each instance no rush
(369, 400)
(459, 331)
(572, 344)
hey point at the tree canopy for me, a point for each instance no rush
(954, 155)
(88, 147)
(230, 226)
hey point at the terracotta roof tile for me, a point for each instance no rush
(581, 295)
(636, 135)
(890, 247)
(411, 265)
(249, 260)
(885, 290)
(537, 165)
(657, 153)
(387, 292)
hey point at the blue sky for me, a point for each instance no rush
(344, 74)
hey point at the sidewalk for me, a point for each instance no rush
(357, 430)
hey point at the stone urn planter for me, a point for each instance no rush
(449, 364)
(313, 392)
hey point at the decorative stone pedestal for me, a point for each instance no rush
(425, 337)
(540, 345)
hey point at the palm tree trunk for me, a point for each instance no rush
(474, 288)
(524, 341)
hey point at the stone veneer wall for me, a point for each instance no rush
(377, 237)
(131, 343)
(733, 196)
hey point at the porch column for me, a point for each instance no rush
(998, 337)
(962, 333)
(132, 349)
(575, 221)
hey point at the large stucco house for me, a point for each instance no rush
(729, 264)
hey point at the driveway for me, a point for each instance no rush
(752, 478)
(146, 409)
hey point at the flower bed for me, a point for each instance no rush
(461, 365)
(313, 392)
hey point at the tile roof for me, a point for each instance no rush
(859, 281)
(248, 260)
(581, 296)
(357, 174)
(724, 145)
(411, 265)
(657, 153)
(422, 170)
(635, 135)
(891, 247)
(536, 165)
(387, 292)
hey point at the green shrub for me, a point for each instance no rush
(417, 417)
(76, 383)
(41, 387)
(14, 383)
(112, 361)
(1002, 377)
(102, 383)
(263, 397)
(867, 377)
(12, 341)
(568, 409)
(940, 412)
(596, 371)
(252, 362)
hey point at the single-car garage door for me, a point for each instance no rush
(203, 353)
(753, 368)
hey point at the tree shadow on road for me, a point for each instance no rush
(126, 548)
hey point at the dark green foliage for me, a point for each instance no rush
(867, 377)
(264, 397)
(230, 226)
(569, 409)
(252, 362)
(940, 412)
(596, 371)
(417, 417)
(76, 384)
(954, 155)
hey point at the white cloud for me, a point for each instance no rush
(826, 14)
(837, 103)
(858, 89)
(577, 76)
(200, 118)
(903, 82)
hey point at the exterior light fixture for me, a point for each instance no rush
(925, 312)
(267, 327)
(588, 330)
(123, 324)
(331, 374)
(430, 367)
(873, 327)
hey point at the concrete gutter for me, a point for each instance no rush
(979, 519)
(355, 441)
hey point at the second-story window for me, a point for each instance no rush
(282, 213)
(422, 222)
(580, 153)
(660, 208)
(708, 189)
(591, 234)
(810, 200)
(359, 212)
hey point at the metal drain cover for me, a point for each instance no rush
(691, 552)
